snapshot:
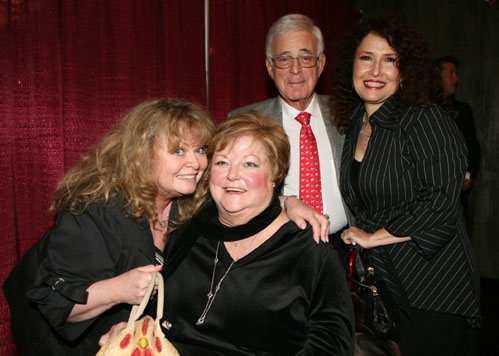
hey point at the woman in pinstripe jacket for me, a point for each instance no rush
(402, 169)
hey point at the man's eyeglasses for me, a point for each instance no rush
(305, 61)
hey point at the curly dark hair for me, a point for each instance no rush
(421, 84)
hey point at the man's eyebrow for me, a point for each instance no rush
(286, 53)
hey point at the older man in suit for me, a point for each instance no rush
(295, 61)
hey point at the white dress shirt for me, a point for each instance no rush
(331, 198)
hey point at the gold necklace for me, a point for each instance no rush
(365, 131)
(163, 223)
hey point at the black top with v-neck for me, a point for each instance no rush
(287, 296)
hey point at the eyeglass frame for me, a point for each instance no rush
(273, 59)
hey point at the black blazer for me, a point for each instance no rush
(409, 183)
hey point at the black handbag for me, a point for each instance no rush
(379, 313)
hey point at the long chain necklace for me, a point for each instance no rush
(212, 294)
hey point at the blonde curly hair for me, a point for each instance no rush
(121, 163)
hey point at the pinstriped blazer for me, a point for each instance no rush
(409, 182)
(272, 107)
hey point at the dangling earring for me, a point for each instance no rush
(273, 184)
(400, 85)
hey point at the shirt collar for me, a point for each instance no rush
(289, 111)
(388, 115)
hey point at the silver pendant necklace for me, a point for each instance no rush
(213, 293)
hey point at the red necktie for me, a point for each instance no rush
(310, 172)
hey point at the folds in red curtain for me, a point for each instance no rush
(69, 69)
(118, 53)
(237, 46)
(30, 130)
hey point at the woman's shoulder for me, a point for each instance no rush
(432, 130)
(101, 218)
(308, 256)
(424, 119)
(302, 239)
(114, 208)
(427, 113)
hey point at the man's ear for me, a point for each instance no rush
(321, 63)
(270, 68)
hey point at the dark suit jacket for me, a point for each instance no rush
(272, 107)
(463, 115)
(409, 183)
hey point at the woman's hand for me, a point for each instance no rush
(129, 287)
(115, 330)
(354, 235)
(367, 240)
(300, 213)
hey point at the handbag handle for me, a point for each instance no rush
(138, 310)
(352, 256)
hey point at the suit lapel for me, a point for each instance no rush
(335, 138)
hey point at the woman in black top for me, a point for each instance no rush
(403, 166)
(253, 283)
(112, 212)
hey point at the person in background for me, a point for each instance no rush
(252, 282)
(295, 60)
(403, 165)
(462, 113)
(113, 212)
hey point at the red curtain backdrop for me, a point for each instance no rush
(69, 69)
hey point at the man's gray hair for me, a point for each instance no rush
(289, 23)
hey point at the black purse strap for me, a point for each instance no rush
(355, 267)
(355, 264)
